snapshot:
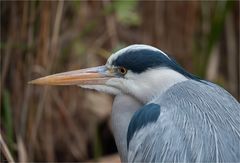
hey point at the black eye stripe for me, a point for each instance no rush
(141, 60)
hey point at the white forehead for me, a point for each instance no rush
(133, 48)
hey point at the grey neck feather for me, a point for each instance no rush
(124, 106)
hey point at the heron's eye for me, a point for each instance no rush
(122, 70)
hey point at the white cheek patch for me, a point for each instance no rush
(102, 88)
(151, 83)
(117, 83)
(130, 75)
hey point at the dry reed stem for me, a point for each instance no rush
(30, 41)
(5, 150)
(80, 152)
(231, 46)
(53, 50)
(111, 26)
(22, 153)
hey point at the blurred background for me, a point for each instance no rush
(39, 38)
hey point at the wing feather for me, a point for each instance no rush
(199, 121)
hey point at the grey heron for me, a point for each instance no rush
(161, 113)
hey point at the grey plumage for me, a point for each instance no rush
(162, 113)
(124, 106)
(198, 123)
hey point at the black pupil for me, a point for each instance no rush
(122, 70)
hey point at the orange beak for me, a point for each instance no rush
(90, 76)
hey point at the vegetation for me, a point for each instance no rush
(42, 37)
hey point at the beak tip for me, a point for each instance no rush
(33, 82)
(37, 82)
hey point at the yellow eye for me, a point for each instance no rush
(122, 70)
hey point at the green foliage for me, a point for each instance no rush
(79, 47)
(108, 9)
(97, 145)
(2, 45)
(104, 53)
(88, 28)
(212, 37)
(126, 13)
(118, 47)
(6, 116)
(76, 5)
(217, 24)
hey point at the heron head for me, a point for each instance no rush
(138, 70)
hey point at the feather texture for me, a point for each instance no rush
(199, 122)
